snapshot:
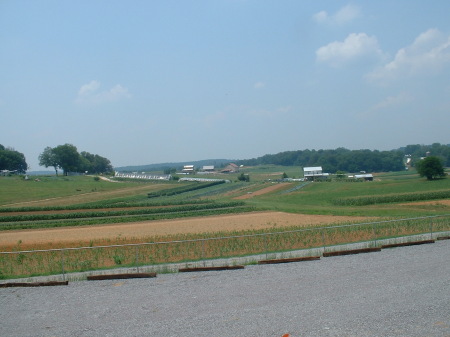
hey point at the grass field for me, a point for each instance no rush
(50, 202)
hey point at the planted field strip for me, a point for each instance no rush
(59, 219)
(391, 198)
(56, 261)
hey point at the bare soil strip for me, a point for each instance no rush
(443, 202)
(262, 191)
(78, 236)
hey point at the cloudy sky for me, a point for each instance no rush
(143, 82)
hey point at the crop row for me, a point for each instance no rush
(123, 218)
(126, 212)
(111, 203)
(183, 189)
(391, 198)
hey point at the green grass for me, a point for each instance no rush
(384, 197)
(320, 197)
(16, 189)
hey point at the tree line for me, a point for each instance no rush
(342, 159)
(67, 158)
(12, 160)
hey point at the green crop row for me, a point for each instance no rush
(119, 203)
(183, 189)
(78, 215)
(124, 219)
(391, 198)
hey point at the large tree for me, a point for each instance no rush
(430, 167)
(93, 163)
(12, 160)
(48, 158)
(67, 158)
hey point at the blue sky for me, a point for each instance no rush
(143, 82)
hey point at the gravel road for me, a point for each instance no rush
(396, 292)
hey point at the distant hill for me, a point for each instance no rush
(339, 159)
(164, 166)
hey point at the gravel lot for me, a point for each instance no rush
(396, 292)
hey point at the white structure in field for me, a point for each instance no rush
(187, 169)
(136, 175)
(314, 172)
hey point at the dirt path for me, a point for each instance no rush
(262, 191)
(71, 236)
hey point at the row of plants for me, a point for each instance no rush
(219, 245)
(183, 189)
(112, 203)
(125, 218)
(116, 213)
(391, 198)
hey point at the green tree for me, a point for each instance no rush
(48, 158)
(12, 160)
(430, 167)
(68, 158)
(93, 163)
(244, 177)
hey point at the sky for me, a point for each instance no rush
(145, 82)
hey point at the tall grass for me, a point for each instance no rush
(194, 248)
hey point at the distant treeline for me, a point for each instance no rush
(342, 159)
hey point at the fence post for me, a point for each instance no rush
(266, 246)
(431, 228)
(136, 260)
(62, 265)
(203, 252)
(323, 239)
(374, 235)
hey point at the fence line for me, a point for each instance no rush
(80, 259)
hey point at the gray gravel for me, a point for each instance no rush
(396, 292)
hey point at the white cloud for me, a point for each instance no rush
(321, 17)
(353, 47)
(90, 93)
(344, 15)
(429, 53)
(259, 85)
(391, 102)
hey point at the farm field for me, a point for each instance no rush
(46, 238)
(63, 212)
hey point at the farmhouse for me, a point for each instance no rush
(314, 172)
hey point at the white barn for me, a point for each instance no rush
(314, 172)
